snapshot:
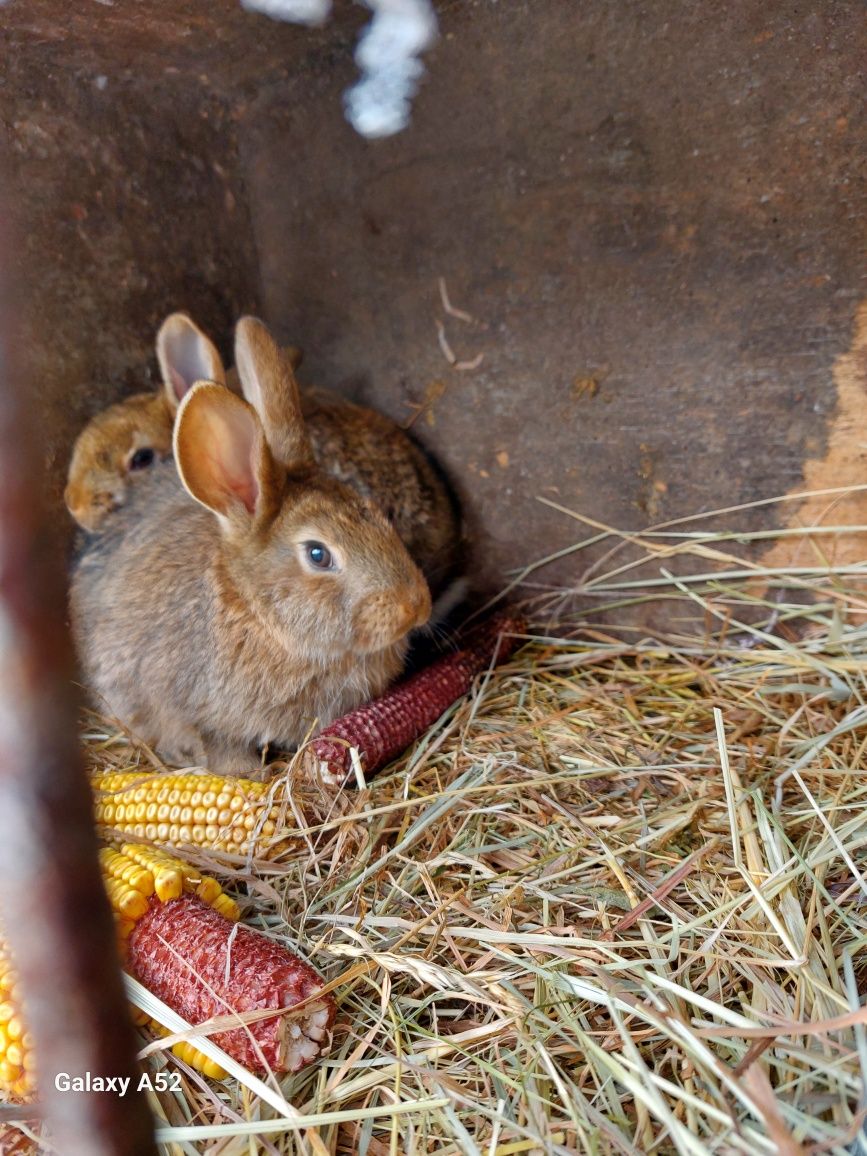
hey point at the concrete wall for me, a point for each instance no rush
(655, 212)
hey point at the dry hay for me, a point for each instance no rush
(614, 902)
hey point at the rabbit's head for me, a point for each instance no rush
(310, 556)
(121, 441)
(131, 436)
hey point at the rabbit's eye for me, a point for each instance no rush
(319, 556)
(141, 459)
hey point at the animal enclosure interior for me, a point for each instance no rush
(611, 898)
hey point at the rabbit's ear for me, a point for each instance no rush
(223, 458)
(186, 356)
(269, 385)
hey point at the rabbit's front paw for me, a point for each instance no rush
(235, 759)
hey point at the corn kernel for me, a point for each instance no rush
(208, 889)
(124, 928)
(227, 907)
(131, 904)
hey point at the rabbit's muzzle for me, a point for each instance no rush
(89, 507)
(384, 619)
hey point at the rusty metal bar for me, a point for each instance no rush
(54, 912)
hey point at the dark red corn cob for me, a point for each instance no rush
(14, 1143)
(179, 951)
(384, 728)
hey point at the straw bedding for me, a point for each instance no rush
(612, 902)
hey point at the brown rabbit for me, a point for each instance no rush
(256, 599)
(125, 440)
(355, 445)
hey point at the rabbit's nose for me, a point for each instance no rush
(416, 609)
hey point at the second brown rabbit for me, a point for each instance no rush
(351, 443)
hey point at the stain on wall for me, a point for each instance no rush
(842, 465)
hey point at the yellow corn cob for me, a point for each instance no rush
(126, 902)
(183, 1050)
(198, 1060)
(167, 873)
(187, 810)
(16, 1045)
(227, 907)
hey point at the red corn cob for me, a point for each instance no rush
(384, 728)
(14, 1143)
(179, 951)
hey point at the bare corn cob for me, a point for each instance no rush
(384, 728)
(196, 962)
(13, 1142)
(167, 913)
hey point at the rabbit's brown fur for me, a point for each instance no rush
(208, 631)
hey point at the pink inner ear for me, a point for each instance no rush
(234, 450)
(244, 486)
(179, 384)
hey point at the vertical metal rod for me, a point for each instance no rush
(54, 912)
